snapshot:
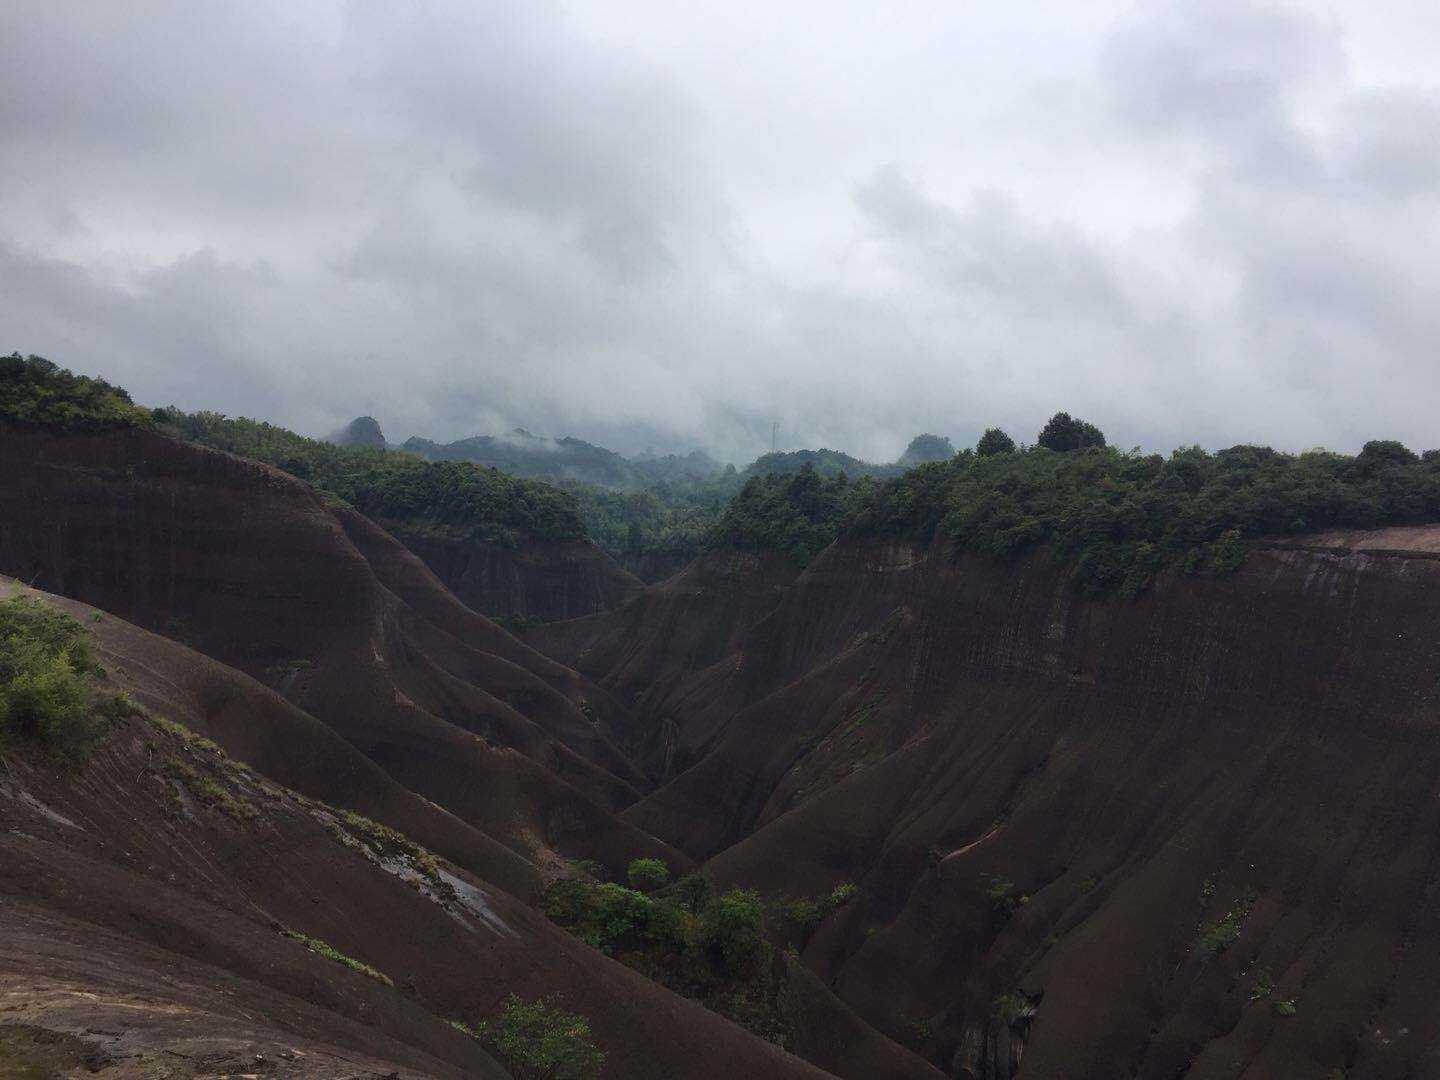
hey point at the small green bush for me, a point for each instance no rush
(694, 891)
(28, 624)
(600, 914)
(1001, 893)
(1217, 936)
(841, 895)
(647, 875)
(1263, 986)
(540, 1041)
(45, 663)
(734, 927)
(804, 913)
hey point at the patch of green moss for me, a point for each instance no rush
(1219, 935)
(209, 791)
(1263, 986)
(322, 948)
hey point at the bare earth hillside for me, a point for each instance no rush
(334, 674)
(1190, 835)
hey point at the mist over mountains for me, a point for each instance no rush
(558, 460)
(1214, 217)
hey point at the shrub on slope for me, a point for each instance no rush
(44, 666)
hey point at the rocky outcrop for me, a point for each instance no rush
(363, 432)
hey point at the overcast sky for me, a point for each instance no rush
(670, 224)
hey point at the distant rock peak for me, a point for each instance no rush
(362, 431)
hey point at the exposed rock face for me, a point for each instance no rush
(363, 431)
(1164, 821)
(546, 580)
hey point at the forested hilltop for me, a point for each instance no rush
(37, 393)
(666, 506)
(1118, 517)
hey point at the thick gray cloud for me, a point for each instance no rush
(1198, 221)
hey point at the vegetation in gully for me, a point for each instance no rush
(719, 947)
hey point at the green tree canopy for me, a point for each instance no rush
(541, 1041)
(37, 393)
(994, 441)
(1064, 432)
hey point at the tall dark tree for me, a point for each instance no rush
(1066, 432)
(994, 441)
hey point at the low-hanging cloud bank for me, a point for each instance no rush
(1204, 221)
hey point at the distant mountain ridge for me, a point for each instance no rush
(539, 457)
(568, 459)
(652, 514)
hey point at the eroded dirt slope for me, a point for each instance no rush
(358, 679)
(152, 898)
(1192, 835)
(246, 565)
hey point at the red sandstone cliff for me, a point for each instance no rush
(1075, 800)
